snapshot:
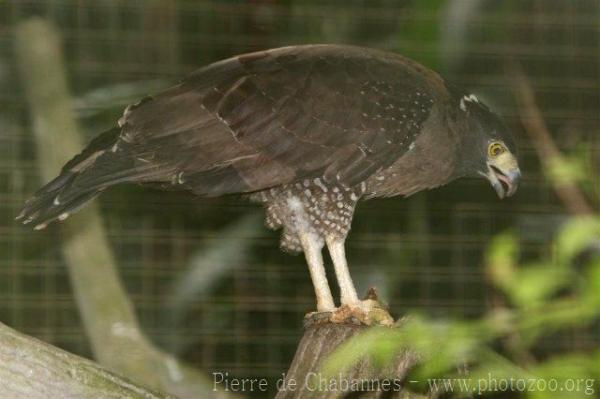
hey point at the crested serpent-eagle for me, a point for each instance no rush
(308, 131)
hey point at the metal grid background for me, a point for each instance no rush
(424, 253)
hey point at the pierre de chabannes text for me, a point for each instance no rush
(313, 382)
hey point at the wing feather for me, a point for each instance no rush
(269, 118)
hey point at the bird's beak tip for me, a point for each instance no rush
(514, 177)
(498, 189)
(505, 183)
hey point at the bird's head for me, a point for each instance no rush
(489, 148)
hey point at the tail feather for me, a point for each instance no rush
(75, 186)
(110, 169)
(44, 198)
(46, 213)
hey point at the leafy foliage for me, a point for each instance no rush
(535, 302)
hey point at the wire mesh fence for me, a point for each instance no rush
(207, 279)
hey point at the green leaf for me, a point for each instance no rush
(501, 258)
(555, 316)
(573, 373)
(565, 171)
(535, 284)
(576, 235)
(564, 366)
(380, 343)
(592, 286)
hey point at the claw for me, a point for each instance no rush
(367, 312)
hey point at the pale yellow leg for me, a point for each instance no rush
(338, 256)
(312, 250)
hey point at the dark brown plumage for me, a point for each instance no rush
(306, 130)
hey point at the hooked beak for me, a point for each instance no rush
(504, 174)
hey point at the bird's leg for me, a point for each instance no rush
(338, 255)
(312, 250)
(368, 311)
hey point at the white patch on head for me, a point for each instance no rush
(411, 146)
(471, 98)
(63, 216)
(56, 201)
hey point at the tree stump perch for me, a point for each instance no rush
(322, 336)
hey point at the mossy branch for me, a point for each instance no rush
(33, 369)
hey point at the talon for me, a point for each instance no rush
(318, 317)
(367, 312)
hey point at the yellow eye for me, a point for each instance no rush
(495, 149)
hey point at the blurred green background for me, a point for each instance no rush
(206, 278)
